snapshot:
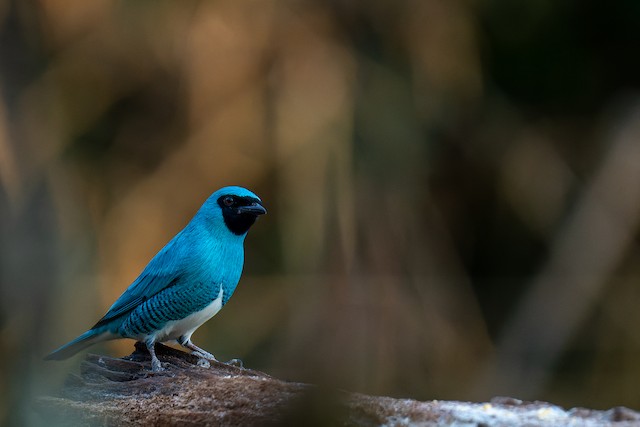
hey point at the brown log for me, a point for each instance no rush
(119, 392)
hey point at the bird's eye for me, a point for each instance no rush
(228, 201)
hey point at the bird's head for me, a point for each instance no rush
(236, 206)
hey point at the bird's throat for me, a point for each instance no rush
(238, 223)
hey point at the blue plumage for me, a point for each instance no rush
(186, 283)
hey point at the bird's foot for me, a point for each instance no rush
(204, 355)
(203, 363)
(236, 362)
(156, 366)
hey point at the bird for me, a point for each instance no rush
(185, 284)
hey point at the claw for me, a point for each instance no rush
(203, 363)
(204, 355)
(236, 362)
(156, 365)
(195, 350)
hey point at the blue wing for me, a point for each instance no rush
(163, 271)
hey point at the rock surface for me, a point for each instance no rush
(123, 392)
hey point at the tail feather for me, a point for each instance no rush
(85, 340)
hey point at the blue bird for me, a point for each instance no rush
(185, 284)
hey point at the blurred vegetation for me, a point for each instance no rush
(453, 186)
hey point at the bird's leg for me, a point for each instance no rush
(156, 366)
(197, 351)
(205, 355)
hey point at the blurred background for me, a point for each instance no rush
(453, 187)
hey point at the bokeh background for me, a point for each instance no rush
(453, 186)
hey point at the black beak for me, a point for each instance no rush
(254, 208)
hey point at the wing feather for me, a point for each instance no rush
(163, 271)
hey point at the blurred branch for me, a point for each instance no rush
(583, 256)
(9, 178)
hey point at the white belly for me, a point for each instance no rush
(177, 328)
